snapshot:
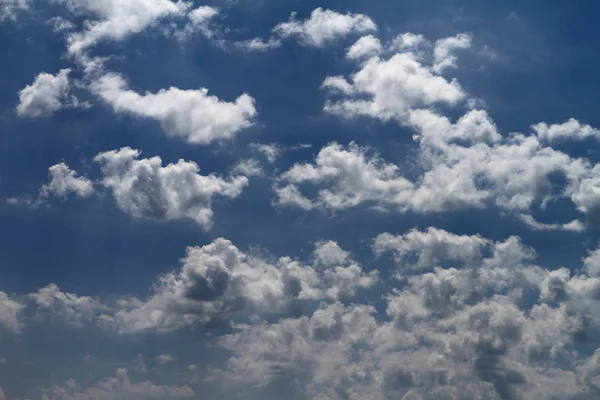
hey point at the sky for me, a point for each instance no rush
(336, 200)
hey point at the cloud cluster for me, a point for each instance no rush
(118, 387)
(219, 281)
(144, 188)
(72, 309)
(460, 164)
(470, 318)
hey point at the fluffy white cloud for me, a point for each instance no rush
(571, 129)
(144, 188)
(193, 115)
(74, 310)
(64, 181)
(348, 178)
(408, 42)
(324, 27)
(219, 281)
(365, 47)
(425, 250)
(46, 95)
(118, 387)
(389, 89)
(464, 165)
(461, 164)
(443, 51)
(10, 313)
(10, 8)
(117, 19)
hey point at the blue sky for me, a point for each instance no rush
(310, 200)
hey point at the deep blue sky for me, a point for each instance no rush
(545, 69)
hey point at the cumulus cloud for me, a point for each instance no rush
(461, 164)
(444, 51)
(482, 321)
(144, 188)
(118, 387)
(365, 47)
(349, 176)
(117, 19)
(569, 130)
(74, 310)
(219, 281)
(388, 89)
(64, 181)
(10, 313)
(324, 27)
(192, 115)
(514, 174)
(46, 95)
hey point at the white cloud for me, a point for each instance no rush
(118, 387)
(425, 250)
(388, 89)
(117, 19)
(571, 129)
(257, 44)
(408, 42)
(64, 181)
(349, 177)
(471, 330)
(218, 282)
(164, 358)
(248, 167)
(10, 8)
(324, 27)
(10, 313)
(144, 188)
(443, 51)
(365, 47)
(74, 310)
(46, 95)
(271, 151)
(199, 22)
(192, 115)
(463, 164)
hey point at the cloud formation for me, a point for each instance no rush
(46, 95)
(324, 27)
(144, 188)
(489, 325)
(193, 115)
(218, 281)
